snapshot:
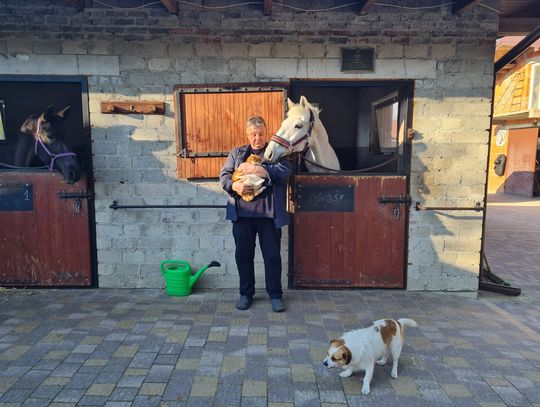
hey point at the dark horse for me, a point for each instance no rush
(39, 143)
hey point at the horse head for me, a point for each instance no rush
(47, 144)
(295, 131)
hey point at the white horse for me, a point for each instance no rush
(303, 131)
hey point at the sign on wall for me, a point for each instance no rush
(357, 60)
(16, 197)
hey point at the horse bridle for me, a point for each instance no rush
(287, 144)
(53, 156)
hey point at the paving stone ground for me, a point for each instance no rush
(104, 347)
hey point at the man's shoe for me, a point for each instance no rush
(244, 302)
(277, 304)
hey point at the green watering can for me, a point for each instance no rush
(178, 277)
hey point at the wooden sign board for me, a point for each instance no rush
(324, 198)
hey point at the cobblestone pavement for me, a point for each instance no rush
(512, 236)
(142, 348)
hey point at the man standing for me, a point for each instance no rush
(263, 216)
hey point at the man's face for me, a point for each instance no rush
(256, 136)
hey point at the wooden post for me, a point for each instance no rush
(364, 5)
(267, 7)
(170, 5)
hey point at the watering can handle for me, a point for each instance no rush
(167, 262)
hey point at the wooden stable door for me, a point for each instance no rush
(521, 162)
(44, 239)
(343, 236)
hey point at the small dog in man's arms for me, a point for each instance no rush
(362, 348)
(251, 180)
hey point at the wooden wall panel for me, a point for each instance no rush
(214, 122)
(512, 93)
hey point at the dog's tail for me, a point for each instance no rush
(407, 322)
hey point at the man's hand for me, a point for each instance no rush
(241, 189)
(247, 168)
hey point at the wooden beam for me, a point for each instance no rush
(518, 49)
(517, 26)
(131, 107)
(461, 6)
(267, 7)
(363, 6)
(170, 5)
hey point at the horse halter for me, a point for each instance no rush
(53, 157)
(286, 143)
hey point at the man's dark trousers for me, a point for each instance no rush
(245, 231)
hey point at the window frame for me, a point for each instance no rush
(376, 146)
(182, 142)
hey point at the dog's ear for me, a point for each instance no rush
(347, 355)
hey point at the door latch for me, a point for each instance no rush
(396, 212)
(77, 196)
(397, 201)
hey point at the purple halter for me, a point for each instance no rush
(53, 156)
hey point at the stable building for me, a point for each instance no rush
(159, 94)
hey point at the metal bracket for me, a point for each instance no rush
(398, 200)
(115, 206)
(477, 207)
(185, 154)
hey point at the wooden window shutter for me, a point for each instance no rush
(211, 122)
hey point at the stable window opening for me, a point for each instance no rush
(366, 121)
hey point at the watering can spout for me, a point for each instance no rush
(193, 279)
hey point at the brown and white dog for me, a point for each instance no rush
(251, 180)
(362, 348)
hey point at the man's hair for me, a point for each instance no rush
(255, 121)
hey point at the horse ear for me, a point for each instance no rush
(290, 104)
(303, 101)
(48, 113)
(63, 114)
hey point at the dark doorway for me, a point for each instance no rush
(22, 97)
(365, 120)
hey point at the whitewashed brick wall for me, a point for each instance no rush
(134, 155)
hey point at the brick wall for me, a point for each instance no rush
(141, 54)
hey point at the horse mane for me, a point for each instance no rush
(319, 130)
(318, 147)
(318, 126)
(29, 125)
